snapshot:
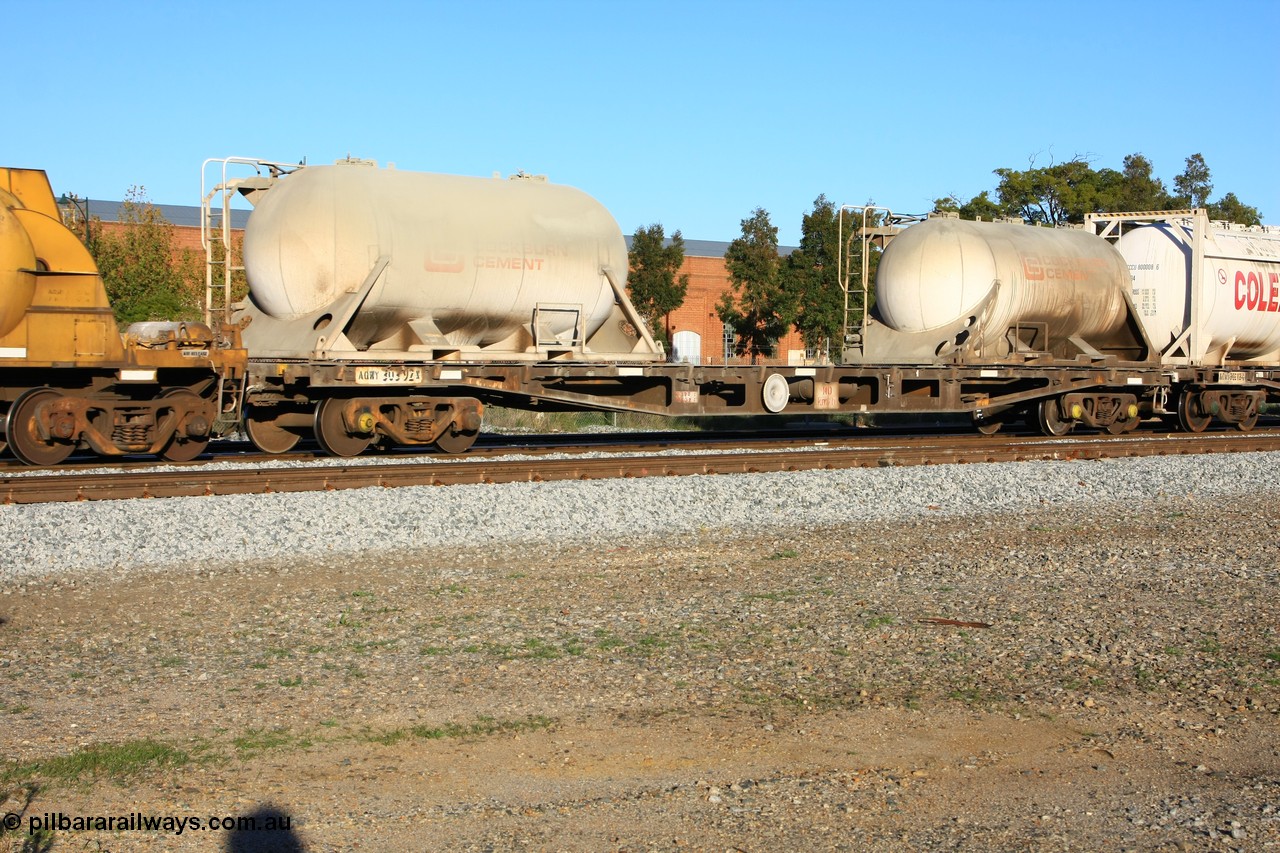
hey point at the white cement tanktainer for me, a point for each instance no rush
(945, 271)
(1240, 297)
(468, 259)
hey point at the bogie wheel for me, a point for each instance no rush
(23, 436)
(455, 442)
(4, 442)
(332, 433)
(264, 434)
(1190, 418)
(183, 447)
(1245, 425)
(1049, 418)
(1118, 427)
(987, 427)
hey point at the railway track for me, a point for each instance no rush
(714, 456)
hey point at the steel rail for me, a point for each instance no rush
(204, 480)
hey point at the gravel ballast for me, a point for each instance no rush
(54, 538)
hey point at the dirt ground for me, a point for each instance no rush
(1029, 682)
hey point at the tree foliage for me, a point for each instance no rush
(1194, 184)
(809, 278)
(757, 306)
(1063, 193)
(653, 282)
(145, 276)
(1231, 209)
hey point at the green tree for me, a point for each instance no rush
(1137, 187)
(1065, 192)
(809, 277)
(145, 276)
(1050, 195)
(756, 305)
(1232, 209)
(653, 283)
(979, 207)
(1195, 183)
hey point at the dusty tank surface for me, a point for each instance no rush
(990, 277)
(439, 261)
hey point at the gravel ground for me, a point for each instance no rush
(43, 539)
(1036, 656)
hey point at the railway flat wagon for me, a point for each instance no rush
(391, 307)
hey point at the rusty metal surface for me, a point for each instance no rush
(203, 480)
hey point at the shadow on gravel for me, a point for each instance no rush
(267, 830)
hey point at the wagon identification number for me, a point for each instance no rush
(388, 375)
(1233, 376)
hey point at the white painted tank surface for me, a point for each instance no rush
(16, 286)
(1240, 300)
(939, 271)
(473, 256)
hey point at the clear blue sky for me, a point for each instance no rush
(691, 114)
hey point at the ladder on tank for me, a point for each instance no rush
(224, 273)
(871, 226)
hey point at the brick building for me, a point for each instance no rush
(695, 330)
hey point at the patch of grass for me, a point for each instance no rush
(296, 681)
(879, 621)
(346, 620)
(1209, 646)
(785, 554)
(537, 648)
(606, 640)
(649, 643)
(482, 727)
(1274, 657)
(256, 741)
(114, 761)
(363, 648)
(784, 595)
